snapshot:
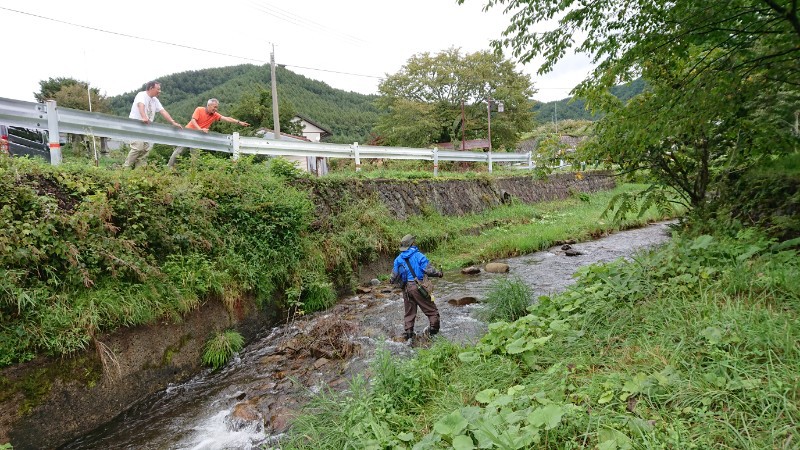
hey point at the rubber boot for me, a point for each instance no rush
(409, 334)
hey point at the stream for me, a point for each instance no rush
(250, 402)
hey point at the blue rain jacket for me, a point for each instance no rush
(417, 261)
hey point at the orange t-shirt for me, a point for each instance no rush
(203, 118)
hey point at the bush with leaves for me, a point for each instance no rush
(85, 251)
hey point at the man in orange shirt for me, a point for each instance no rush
(202, 120)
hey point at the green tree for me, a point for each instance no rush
(256, 109)
(49, 87)
(423, 100)
(723, 75)
(71, 93)
(75, 96)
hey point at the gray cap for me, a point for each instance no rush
(406, 242)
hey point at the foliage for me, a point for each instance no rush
(723, 77)
(75, 97)
(689, 346)
(219, 349)
(767, 196)
(574, 108)
(86, 251)
(283, 168)
(507, 300)
(423, 101)
(550, 143)
(349, 115)
(255, 108)
(71, 93)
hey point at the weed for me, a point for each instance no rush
(221, 347)
(507, 300)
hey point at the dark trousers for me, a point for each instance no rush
(413, 299)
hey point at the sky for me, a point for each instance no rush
(348, 44)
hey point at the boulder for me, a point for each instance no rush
(471, 270)
(462, 301)
(245, 416)
(497, 268)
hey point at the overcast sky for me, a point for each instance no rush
(348, 44)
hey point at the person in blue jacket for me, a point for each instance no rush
(411, 257)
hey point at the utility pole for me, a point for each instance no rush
(489, 127)
(500, 108)
(276, 124)
(463, 123)
(555, 115)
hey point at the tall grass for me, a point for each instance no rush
(508, 299)
(219, 349)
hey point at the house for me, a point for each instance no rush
(315, 165)
(312, 131)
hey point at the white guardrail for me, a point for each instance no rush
(57, 120)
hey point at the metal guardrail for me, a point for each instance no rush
(54, 119)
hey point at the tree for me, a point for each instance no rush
(74, 94)
(724, 78)
(49, 87)
(256, 109)
(71, 93)
(423, 100)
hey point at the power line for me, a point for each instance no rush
(189, 47)
(303, 22)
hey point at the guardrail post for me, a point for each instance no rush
(436, 161)
(490, 161)
(530, 160)
(358, 158)
(52, 131)
(235, 138)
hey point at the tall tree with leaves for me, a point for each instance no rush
(71, 93)
(74, 94)
(256, 109)
(724, 75)
(423, 100)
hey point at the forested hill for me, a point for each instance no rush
(351, 116)
(567, 109)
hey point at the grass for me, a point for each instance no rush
(219, 349)
(508, 300)
(516, 229)
(693, 345)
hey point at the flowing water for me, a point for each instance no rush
(250, 402)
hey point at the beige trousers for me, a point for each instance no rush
(137, 157)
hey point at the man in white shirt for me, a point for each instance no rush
(144, 108)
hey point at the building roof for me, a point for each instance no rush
(266, 133)
(327, 132)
